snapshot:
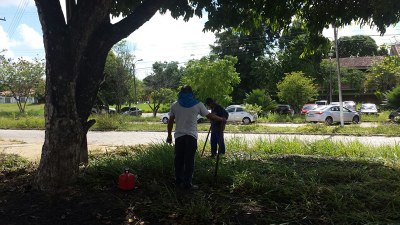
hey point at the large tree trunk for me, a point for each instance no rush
(76, 51)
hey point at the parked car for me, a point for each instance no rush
(368, 108)
(284, 109)
(103, 109)
(350, 105)
(133, 111)
(394, 114)
(308, 107)
(331, 114)
(164, 118)
(238, 113)
(321, 102)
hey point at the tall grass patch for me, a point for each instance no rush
(12, 162)
(261, 182)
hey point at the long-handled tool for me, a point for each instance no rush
(205, 143)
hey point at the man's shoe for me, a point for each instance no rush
(192, 188)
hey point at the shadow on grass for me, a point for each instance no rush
(266, 189)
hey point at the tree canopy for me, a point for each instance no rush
(357, 45)
(212, 77)
(77, 46)
(21, 78)
(164, 75)
(296, 89)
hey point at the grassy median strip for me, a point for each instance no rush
(284, 181)
(259, 182)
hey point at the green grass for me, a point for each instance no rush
(259, 182)
(12, 162)
(10, 118)
(263, 183)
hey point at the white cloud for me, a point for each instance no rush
(389, 37)
(30, 37)
(6, 3)
(166, 39)
(6, 44)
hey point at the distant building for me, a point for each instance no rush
(395, 50)
(361, 63)
(5, 97)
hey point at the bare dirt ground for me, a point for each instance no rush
(32, 151)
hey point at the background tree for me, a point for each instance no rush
(247, 47)
(77, 45)
(328, 86)
(296, 89)
(383, 76)
(160, 96)
(140, 91)
(354, 79)
(383, 50)
(300, 50)
(357, 46)
(266, 72)
(21, 78)
(39, 90)
(212, 77)
(261, 98)
(393, 97)
(164, 75)
(128, 60)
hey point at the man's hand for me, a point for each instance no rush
(169, 139)
(223, 119)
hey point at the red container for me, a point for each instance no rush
(126, 181)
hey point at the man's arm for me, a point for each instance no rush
(170, 125)
(212, 116)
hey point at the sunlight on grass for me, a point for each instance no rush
(258, 182)
(325, 182)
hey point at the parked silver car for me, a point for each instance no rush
(331, 114)
(164, 118)
(368, 108)
(133, 111)
(238, 113)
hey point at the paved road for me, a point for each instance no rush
(28, 142)
(114, 138)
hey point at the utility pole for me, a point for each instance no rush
(134, 78)
(330, 54)
(335, 30)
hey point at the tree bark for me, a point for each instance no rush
(76, 52)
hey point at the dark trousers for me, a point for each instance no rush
(217, 138)
(185, 150)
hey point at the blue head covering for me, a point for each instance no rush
(186, 97)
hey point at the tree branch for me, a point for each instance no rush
(143, 13)
(51, 17)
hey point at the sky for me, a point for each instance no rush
(160, 39)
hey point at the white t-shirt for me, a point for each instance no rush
(186, 118)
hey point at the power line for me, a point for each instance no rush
(17, 17)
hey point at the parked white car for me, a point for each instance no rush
(164, 118)
(348, 104)
(237, 113)
(331, 114)
(368, 108)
